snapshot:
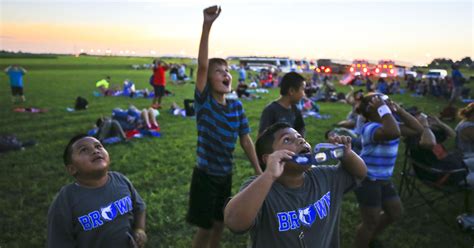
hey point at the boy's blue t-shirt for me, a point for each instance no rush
(380, 157)
(218, 128)
(16, 77)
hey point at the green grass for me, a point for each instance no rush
(160, 168)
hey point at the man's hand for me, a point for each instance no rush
(275, 163)
(140, 237)
(211, 14)
(344, 140)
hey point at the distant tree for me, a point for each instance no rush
(441, 63)
(465, 62)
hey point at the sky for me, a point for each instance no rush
(414, 31)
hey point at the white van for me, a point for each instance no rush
(436, 73)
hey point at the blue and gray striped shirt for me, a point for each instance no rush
(379, 157)
(218, 128)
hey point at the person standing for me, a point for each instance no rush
(220, 122)
(16, 73)
(159, 81)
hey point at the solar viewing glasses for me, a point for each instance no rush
(322, 153)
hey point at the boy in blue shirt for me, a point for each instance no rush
(378, 201)
(101, 209)
(16, 74)
(219, 123)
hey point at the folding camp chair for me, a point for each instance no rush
(438, 182)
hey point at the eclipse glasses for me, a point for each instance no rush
(322, 153)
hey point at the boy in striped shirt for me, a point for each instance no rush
(219, 123)
(379, 203)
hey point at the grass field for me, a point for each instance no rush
(160, 168)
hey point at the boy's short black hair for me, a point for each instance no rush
(264, 142)
(67, 155)
(291, 80)
(364, 104)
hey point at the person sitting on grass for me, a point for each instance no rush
(134, 118)
(101, 208)
(103, 86)
(292, 205)
(108, 128)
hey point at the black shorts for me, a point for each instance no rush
(159, 90)
(207, 198)
(17, 91)
(374, 193)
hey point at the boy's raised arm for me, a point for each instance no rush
(389, 129)
(241, 211)
(210, 14)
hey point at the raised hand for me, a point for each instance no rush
(376, 102)
(394, 107)
(276, 163)
(344, 140)
(211, 14)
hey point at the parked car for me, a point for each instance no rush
(436, 74)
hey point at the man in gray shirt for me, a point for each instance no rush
(293, 205)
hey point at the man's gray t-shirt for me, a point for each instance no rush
(274, 113)
(101, 217)
(312, 209)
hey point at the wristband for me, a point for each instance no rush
(383, 110)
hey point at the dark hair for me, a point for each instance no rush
(291, 80)
(362, 107)
(68, 150)
(467, 111)
(264, 142)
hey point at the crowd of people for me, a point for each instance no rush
(285, 204)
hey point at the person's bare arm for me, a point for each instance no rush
(351, 162)
(389, 129)
(210, 14)
(139, 228)
(451, 133)
(427, 139)
(247, 145)
(410, 126)
(242, 209)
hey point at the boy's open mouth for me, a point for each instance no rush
(226, 83)
(305, 150)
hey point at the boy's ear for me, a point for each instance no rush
(71, 169)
